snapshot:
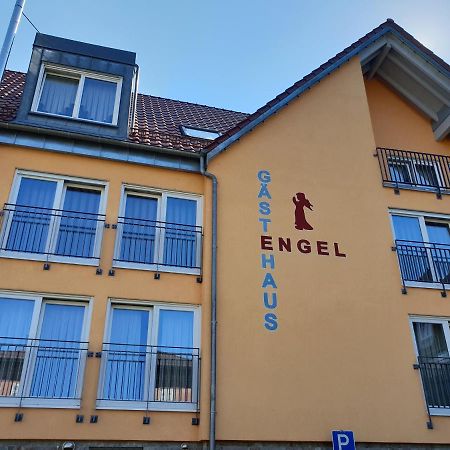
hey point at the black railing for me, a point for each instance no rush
(50, 232)
(405, 169)
(423, 262)
(41, 369)
(146, 374)
(158, 243)
(435, 374)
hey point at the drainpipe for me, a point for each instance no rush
(212, 400)
(10, 34)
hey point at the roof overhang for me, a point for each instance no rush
(421, 81)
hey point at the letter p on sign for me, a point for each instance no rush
(343, 440)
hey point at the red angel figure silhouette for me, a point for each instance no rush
(301, 202)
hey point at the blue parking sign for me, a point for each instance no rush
(343, 440)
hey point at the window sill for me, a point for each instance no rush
(440, 412)
(144, 406)
(74, 119)
(419, 284)
(50, 259)
(155, 268)
(6, 402)
(409, 187)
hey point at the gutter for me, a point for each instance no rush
(97, 139)
(213, 378)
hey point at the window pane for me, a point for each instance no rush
(439, 235)
(78, 223)
(97, 101)
(139, 230)
(30, 219)
(181, 236)
(58, 352)
(426, 175)
(176, 357)
(399, 172)
(15, 322)
(125, 369)
(58, 95)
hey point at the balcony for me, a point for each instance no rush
(403, 169)
(159, 246)
(435, 375)
(423, 263)
(31, 232)
(149, 377)
(36, 372)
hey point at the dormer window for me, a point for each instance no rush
(200, 133)
(77, 94)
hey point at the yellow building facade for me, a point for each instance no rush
(255, 280)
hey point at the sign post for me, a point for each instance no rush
(343, 440)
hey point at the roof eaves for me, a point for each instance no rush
(263, 113)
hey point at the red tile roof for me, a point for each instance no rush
(158, 120)
(389, 25)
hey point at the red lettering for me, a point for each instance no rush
(322, 248)
(304, 246)
(284, 244)
(336, 251)
(266, 243)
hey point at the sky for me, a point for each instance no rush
(233, 54)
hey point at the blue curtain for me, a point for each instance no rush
(181, 236)
(78, 225)
(138, 230)
(58, 95)
(58, 352)
(126, 357)
(176, 329)
(97, 101)
(407, 228)
(31, 217)
(15, 321)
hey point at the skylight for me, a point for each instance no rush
(199, 133)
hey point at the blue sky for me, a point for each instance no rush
(231, 54)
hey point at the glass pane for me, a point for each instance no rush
(125, 369)
(15, 322)
(412, 254)
(58, 352)
(78, 223)
(139, 230)
(176, 357)
(58, 95)
(97, 101)
(439, 235)
(399, 172)
(426, 175)
(181, 236)
(30, 218)
(434, 363)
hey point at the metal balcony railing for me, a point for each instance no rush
(34, 230)
(423, 262)
(435, 375)
(145, 374)
(155, 243)
(41, 369)
(405, 169)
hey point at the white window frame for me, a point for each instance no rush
(62, 183)
(152, 339)
(423, 218)
(445, 322)
(410, 164)
(40, 299)
(80, 75)
(162, 196)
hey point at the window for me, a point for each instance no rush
(423, 247)
(159, 231)
(77, 94)
(54, 219)
(42, 350)
(151, 358)
(199, 133)
(431, 342)
(422, 173)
